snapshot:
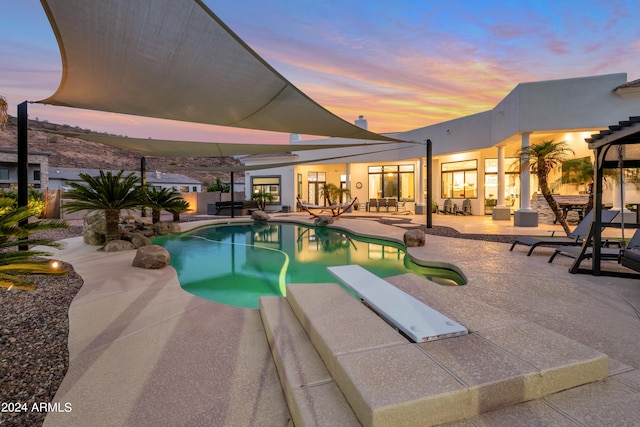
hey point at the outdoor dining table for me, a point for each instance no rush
(572, 206)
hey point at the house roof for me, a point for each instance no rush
(633, 83)
(71, 174)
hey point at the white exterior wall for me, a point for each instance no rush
(564, 110)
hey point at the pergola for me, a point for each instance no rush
(616, 147)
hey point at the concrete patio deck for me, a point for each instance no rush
(145, 352)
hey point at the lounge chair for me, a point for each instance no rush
(573, 239)
(605, 252)
(630, 256)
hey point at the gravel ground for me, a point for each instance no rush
(34, 330)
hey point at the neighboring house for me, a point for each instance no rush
(38, 168)
(474, 157)
(59, 178)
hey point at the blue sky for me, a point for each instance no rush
(401, 64)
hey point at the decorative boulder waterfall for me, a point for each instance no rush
(151, 257)
(260, 216)
(413, 238)
(323, 221)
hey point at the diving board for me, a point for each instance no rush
(417, 320)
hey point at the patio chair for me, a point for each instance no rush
(373, 203)
(448, 207)
(605, 252)
(392, 204)
(574, 239)
(466, 207)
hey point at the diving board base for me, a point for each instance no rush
(415, 319)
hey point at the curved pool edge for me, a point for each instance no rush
(358, 228)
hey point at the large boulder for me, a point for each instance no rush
(260, 216)
(413, 238)
(139, 240)
(151, 257)
(118, 245)
(323, 221)
(94, 230)
(174, 228)
(161, 228)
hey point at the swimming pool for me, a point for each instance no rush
(235, 264)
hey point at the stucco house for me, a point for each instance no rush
(37, 170)
(474, 157)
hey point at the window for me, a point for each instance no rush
(36, 175)
(184, 188)
(511, 180)
(460, 180)
(267, 184)
(4, 173)
(194, 189)
(392, 182)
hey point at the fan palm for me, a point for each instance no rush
(542, 158)
(109, 192)
(178, 207)
(159, 199)
(262, 197)
(14, 264)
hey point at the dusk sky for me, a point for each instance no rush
(401, 64)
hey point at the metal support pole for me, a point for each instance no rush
(232, 196)
(23, 163)
(429, 185)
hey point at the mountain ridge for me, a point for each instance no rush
(66, 152)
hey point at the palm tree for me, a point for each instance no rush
(262, 197)
(159, 199)
(332, 193)
(542, 158)
(109, 192)
(15, 264)
(4, 116)
(178, 207)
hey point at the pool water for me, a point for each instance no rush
(236, 264)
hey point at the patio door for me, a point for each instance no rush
(315, 182)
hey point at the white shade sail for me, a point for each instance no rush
(175, 59)
(173, 148)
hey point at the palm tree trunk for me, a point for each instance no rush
(176, 217)
(112, 219)
(155, 215)
(546, 193)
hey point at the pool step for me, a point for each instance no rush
(311, 393)
(389, 381)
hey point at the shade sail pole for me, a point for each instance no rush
(429, 185)
(23, 163)
(232, 196)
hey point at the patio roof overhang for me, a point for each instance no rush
(175, 59)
